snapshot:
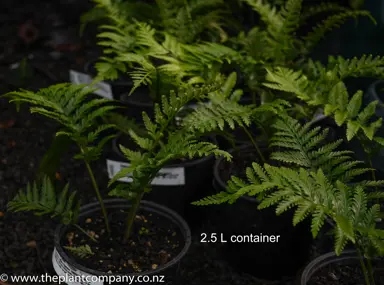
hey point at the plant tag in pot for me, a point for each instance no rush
(168, 176)
(103, 89)
(70, 274)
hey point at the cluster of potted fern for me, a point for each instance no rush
(90, 240)
(179, 51)
(161, 53)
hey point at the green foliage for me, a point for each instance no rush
(299, 146)
(278, 42)
(318, 185)
(225, 110)
(164, 141)
(312, 193)
(43, 200)
(164, 52)
(185, 20)
(304, 146)
(188, 20)
(323, 87)
(163, 62)
(122, 123)
(83, 251)
(72, 107)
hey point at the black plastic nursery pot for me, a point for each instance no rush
(135, 104)
(118, 87)
(239, 137)
(266, 246)
(118, 265)
(176, 185)
(330, 269)
(375, 92)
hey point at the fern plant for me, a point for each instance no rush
(70, 106)
(318, 184)
(164, 140)
(277, 41)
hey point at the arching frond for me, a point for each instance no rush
(42, 199)
(73, 107)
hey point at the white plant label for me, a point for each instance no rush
(103, 89)
(70, 274)
(168, 176)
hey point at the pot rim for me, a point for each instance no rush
(182, 224)
(372, 90)
(216, 174)
(185, 164)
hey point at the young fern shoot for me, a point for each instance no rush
(69, 106)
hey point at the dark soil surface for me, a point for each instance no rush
(154, 242)
(343, 274)
(243, 157)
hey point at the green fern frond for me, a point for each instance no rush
(340, 241)
(304, 146)
(321, 8)
(291, 14)
(284, 79)
(42, 200)
(217, 116)
(330, 23)
(73, 107)
(365, 66)
(267, 12)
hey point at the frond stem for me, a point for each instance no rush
(370, 270)
(254, 144)
(363, 266)
(188, 9)
(84, 232)
(131, 217)
(98, 195)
